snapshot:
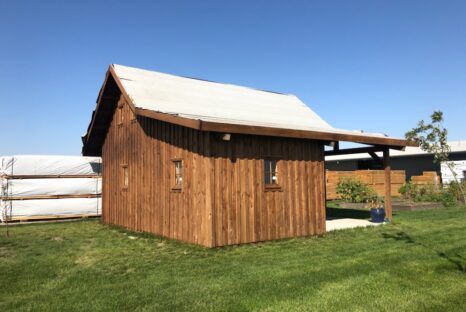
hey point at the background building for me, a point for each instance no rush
(413, 161)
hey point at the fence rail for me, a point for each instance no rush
(375, 179)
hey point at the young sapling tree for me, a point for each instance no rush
(432, 138)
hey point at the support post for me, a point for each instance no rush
(388, 184)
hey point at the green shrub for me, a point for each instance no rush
(409, 191)
(428, 193)
(454, 189)
(355, 191)
(447, 198)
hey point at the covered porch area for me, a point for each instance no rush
(340, 218)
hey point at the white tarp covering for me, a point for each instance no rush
(51, 207)
(199, 99)
(50, 187)
(203, 100)
(36, 178)
(47, 165)
(459, 168)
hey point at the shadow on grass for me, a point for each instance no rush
(457, 260)
(342, 213)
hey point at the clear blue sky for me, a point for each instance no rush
(373, 65)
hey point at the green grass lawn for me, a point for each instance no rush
(414, 265)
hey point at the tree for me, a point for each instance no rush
(432, 138)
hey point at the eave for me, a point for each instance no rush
(221, 127)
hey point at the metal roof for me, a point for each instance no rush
(221, 103)
(212, 106)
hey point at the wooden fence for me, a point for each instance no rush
(427, 177)
(375, 179)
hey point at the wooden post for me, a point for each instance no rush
(388, 184)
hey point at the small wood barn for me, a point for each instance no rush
(211, 163)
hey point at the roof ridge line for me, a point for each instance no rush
(206, 80)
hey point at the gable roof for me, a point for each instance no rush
(212, 106)
(215, 102)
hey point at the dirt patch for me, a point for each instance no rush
(411, 206)
(354, 205)
(88, 260)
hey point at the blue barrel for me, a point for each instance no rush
(378, 215)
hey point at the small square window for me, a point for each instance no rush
(271, 177)
(177, 174)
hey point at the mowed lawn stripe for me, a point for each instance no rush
(413, 265)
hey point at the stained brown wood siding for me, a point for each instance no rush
(149, 204)
(245, 211)
(223, 200)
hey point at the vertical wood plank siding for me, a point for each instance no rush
(223, 200)
(149, 204)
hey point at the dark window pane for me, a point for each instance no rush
(270, 171)
(267, 171)
(267, 177)
(274, 171)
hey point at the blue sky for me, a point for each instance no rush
(373, 65)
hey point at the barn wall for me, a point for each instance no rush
(244, 211)
(223, 200)
(149, 204)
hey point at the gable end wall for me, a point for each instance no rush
(149, 204)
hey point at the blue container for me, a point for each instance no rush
(378, 215)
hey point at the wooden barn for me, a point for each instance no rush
(213, 164)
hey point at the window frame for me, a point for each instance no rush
(120, 115)
(271, 186)
(124, 177)
(176, 187)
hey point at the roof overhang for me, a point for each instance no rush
(92, 145)
(272, 131)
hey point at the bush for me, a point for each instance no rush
(355, 191)
(454, 189)
(447, 198)
(409, 191)
(428, 193)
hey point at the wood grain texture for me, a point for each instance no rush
(223, 200)
(149, 203)
(246, 211)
